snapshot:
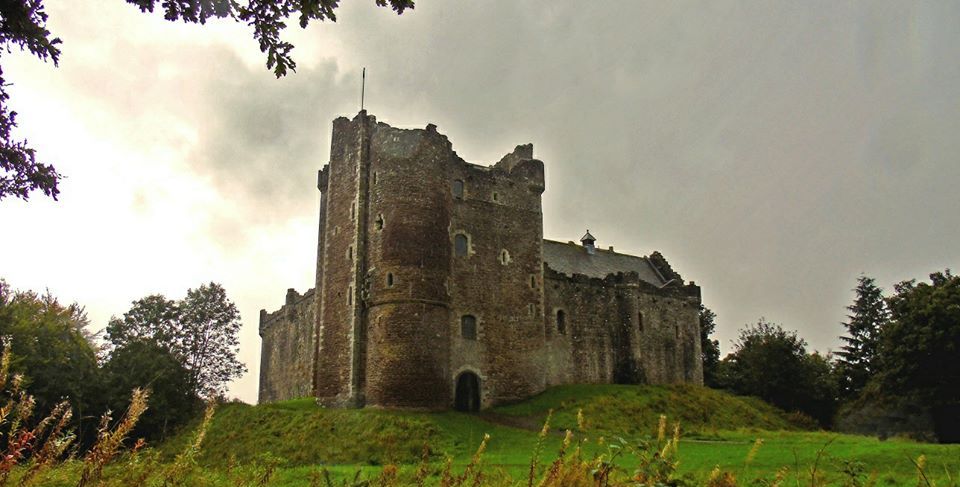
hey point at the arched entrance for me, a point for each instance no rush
(468, 392)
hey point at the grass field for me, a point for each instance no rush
(296, 443)
(717, 430)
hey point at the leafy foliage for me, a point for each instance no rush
(920, 345)
(23, 25)
(49, 348)
(145, 365)
(709, 349)
(267, 18)
(858, 358)
(199, 330)
(772, 364)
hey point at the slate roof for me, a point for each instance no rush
(570, 259)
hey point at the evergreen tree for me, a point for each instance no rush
(858, 358)
(709, 349)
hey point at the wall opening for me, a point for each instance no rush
(468, 327)
(561, 322)
(640, 321)
(379, 222)
(504, 257)
(389, 279)
(460, 245)
(496, 197)
(457, 188)
(468, 392)
(533, 282)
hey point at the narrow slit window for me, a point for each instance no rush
(350, 252)
(640, 322)
(389, 279)
(504, 257)
(468, 327)
(460, 245)
(353, 211)
(533, 282)
(379, 222)
(496, 197)
(561, 322)
(350, 296)
(457, 188)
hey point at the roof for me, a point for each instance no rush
(570, 259)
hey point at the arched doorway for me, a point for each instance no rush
(468, 392)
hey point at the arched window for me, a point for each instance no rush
(561, 322)
(504, 257)
(460, 245)
(457, 189)
(468, 327)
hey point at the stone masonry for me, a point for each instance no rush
(435, 288)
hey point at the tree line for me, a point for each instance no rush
(898, 362)
(183, 351)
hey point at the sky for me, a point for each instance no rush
(772, 151)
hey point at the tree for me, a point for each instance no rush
(772, 364)
(145, 364)
(23, 25)
(199, 330)
(49, 350)
(709, 349)
(858, 358)
(919, 347)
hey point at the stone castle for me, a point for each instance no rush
(436, 289)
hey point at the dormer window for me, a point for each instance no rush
(458, 189)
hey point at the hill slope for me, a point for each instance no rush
(300, 433)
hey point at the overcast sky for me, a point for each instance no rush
(772, 151)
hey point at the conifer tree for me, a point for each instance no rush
(857, 358)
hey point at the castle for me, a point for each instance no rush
(436, 289)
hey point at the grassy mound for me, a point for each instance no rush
(635, 410)
(298, 432)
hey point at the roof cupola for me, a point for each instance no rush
(588, 242)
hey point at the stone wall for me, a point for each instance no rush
(620, 329)
(287, 349)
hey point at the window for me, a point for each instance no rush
(496, 197)
(640, 321)
(389, 279)
(353, 211)
(379, 222)
(460, 245)
(468, 327)
(350, 252)
(504, 257)
(533, 282)
(374, 177)
(532, 309)
(457, 189)
(350, 296)
(561, 322)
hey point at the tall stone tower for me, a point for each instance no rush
(383, 303)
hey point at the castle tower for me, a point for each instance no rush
(385, 258)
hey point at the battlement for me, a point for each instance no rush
(292, 301)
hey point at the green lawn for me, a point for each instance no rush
(718, 429)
